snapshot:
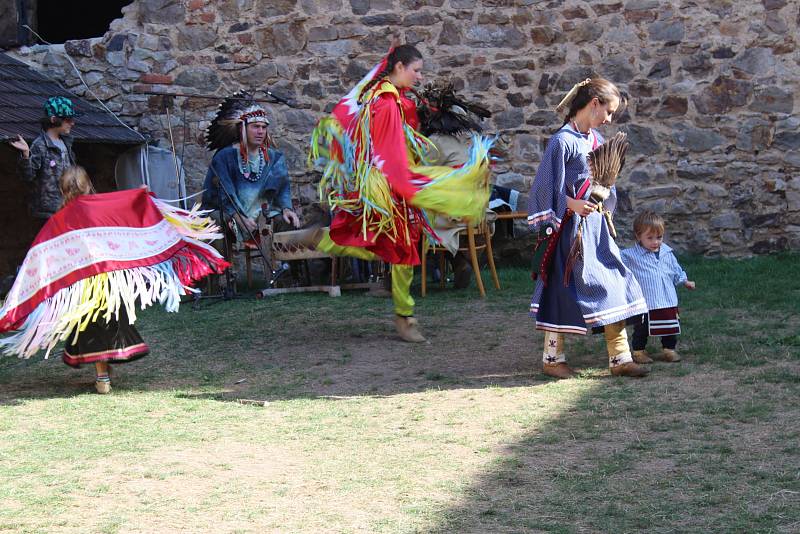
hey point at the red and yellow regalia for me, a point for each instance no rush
(376, 182)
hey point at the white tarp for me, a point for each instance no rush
(154, 167)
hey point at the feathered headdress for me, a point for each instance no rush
(605, 162)
(230, 124)
(443, 111)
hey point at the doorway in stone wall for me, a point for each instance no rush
(59, 21)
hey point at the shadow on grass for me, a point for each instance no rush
(701, 446)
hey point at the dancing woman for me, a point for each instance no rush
(376, 181)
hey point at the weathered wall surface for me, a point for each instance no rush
(713, 120)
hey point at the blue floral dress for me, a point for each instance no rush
(600, 290)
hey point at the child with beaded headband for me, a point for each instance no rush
(595, 291)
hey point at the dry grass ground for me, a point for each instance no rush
(362, 433)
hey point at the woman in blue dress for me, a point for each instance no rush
(590, 290)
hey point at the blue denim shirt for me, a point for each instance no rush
(658, 274)
(272, 188)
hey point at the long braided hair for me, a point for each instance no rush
(405, 54)
(599, 88)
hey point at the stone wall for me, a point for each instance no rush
(712, 121)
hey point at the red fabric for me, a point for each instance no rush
(667, 322)
(127, 223)
(391, 156)
(132, 208)
(16, 316)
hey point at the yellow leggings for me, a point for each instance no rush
(616, 343)
(402, 275)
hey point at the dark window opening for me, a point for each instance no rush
(60, 21)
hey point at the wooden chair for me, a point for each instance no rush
(481, 231)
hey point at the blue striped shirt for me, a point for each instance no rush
(658, 274)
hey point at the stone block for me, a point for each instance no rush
(239, 27)
(669, 31)
(723, 95)
(299, 120)
(723, 52)
(492, 36)
(575, 13)
(257, 75)
(606, 9)
(519, 100)
(422, 18)
(754, 135)
(660, 69)
(642, 140)
(621, 69)
(728, 221)
(201, 78)
(337, 48)
(116, 59)
(512, 180)
(479, 80)
(698, 64)
(772, 99)
(450, 34)
(672, 106)
(522, 79)
(275, 8)
(322, 33)
(661, 191)
(383, 19)
(81, 47)
(545, 35)
(755, 61)
(586, 32)
(359, 7)
(641, 5)
(413, 5)
(117, 42)
(284, 39)
(161, 11)
(787, 140)
(695, 139)
(509, 119)
(196, 37)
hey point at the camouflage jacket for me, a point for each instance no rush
(42, 169)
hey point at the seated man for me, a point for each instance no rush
(253, 177)
(449, 122)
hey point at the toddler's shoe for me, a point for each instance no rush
(670, 355)
(103, 387)
(640, 356)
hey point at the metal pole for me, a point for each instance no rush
(174, 154)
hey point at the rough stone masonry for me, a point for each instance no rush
(713, 122)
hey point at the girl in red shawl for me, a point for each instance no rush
(377, 183)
